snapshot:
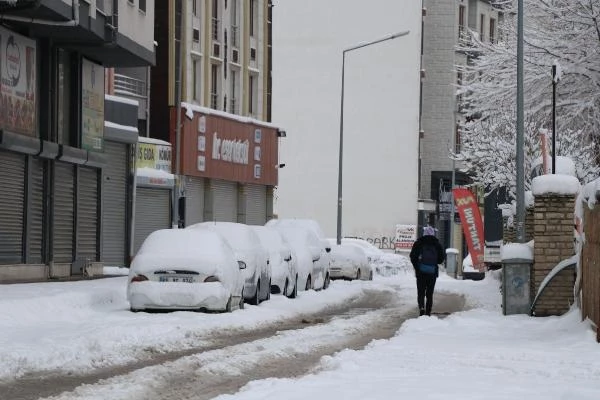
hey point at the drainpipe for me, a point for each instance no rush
(37, 21)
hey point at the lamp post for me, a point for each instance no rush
(340, 159)
(520, 129)
(555, 79)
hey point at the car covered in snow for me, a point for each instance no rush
(349, 261)
(181, 269)
(309, 231)
(284, 275)
(247, 248)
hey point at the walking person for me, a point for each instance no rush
(425, 255)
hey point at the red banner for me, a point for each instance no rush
(472, 224)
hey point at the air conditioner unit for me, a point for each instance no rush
(216, 50)
(235, 56)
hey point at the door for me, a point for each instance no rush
(194, 202)
(152, 212)
(256, 204)
(12, 200)
(63, 213)
(87, 214)
(225, 199)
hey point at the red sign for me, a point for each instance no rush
(472, 224)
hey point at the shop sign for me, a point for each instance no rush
(18, 83)
(472, 225)
(405, 236)
(155, 156)
(92, 106)
(233, 151)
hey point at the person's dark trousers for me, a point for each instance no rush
(425, 286)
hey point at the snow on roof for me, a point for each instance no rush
(121, 127)
(143, 139)
(154, 173)
(564, 165)
(190, 108)
(120, 99)
(556, 184)
(523, 251)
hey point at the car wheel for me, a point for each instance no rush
(308, 284)
(358, 275)
(134, 310)
(326, 282)
(294, 293)
(228, 307)
(255, 300)
(241, 303)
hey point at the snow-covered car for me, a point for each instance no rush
(284, 277)
(309, 232)
(247, 248)
(180, 269)
(383, 263)
(349, 261)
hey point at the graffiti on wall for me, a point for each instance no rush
(381, 242)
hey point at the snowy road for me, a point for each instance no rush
(287, 347)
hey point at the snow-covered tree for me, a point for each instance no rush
(565, 33)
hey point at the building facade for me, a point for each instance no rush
(215, 56)
(445, 27)
(52, 132)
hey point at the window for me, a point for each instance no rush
(195, 80)
(461, 21)
(142, 5)
(457, 138)
(459, 97)
(481, 27)
(215, 20)
(63, 93)
(252, 95)
(195, 7)
(196, 35)
(253, 17)
(214, 86)
(233, 79)
(492, 30)
(234, 24)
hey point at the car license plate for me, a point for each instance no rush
(184, 279)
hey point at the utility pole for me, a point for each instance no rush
(520, 128)
(178, 91)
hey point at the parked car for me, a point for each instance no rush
(349, 261)
(179, 269)
(246, 247)
(383, 263)
(313, 260)
(284, 275)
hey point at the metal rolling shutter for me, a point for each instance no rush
(114, 211)
(87, 214)
(36, 211)
(152, 212)
(225, 198)
(62, 249)
(256, 204)
(12, 199)
(194, 202)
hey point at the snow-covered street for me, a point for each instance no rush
(77, 329)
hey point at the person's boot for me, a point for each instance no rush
(421, 312)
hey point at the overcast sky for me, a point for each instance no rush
(380, 114)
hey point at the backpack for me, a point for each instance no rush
(428, 259)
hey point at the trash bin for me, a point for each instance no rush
(516, 296)
(451, 261)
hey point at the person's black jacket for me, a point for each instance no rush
(417, 251)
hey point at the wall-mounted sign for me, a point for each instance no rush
(257, 170)
(92, 106)
(257, 135)
(201, 163)
(201, 143)
(234, 151)
(202, 124)
(18, 83)
(256, 153)
(155, 156)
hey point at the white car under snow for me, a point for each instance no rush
(185, 269)
(349, 261)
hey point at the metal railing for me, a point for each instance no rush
(130, 86)
(215, 23)
(214, 101)
(233, 106)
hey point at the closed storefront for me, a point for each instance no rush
(256, 204)
(115, 208)
(36, 212)
(12, 201)
(63, 212)
(87, 215)
(225, 200)
(194, 200)
(152, 212)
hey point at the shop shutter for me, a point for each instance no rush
(256, 204)
(36, 211)
(114, 210)
(62, 248)
(225, 199)
(152, 212)
(12, 199)
(194, 201)
(87, 214)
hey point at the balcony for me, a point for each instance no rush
(127, 86)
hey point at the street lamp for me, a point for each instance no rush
(359, 46)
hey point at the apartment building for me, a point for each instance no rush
(445, 26)
(52, 134)
(215, 56)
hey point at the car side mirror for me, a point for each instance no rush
(242, 265)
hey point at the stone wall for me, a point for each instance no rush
(554, 242)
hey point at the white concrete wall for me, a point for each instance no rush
(380, 117)
(137, 25)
